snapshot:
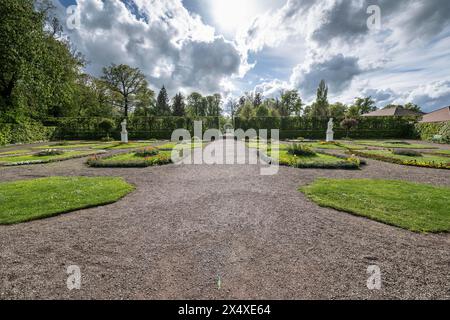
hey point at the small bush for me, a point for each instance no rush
(50, 152)
(147, 152)
(62, 144)
(300, 150)
(406, 152)
(107, 139)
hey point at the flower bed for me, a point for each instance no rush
(425, 160)
(130, 160)
(19, 160)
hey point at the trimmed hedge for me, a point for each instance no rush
(24, 132)
(428, 130)
(368, 128)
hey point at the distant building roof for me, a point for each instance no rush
(393, 112)
(440, 115)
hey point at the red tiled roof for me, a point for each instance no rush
(440, 115)
(392, 112)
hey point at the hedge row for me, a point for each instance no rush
(138, 127)
(428, 130)
(368, 128)
(24, 132)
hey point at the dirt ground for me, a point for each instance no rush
(187, 225)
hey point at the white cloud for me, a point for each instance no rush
(171, 46)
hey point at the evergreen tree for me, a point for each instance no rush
(178, 106)
(162, 103)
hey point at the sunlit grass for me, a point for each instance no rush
(22, 201)
(412, 206)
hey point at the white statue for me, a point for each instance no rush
(124, 133)
(330, 132)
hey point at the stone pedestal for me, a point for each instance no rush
(124, 137)
(330, 136)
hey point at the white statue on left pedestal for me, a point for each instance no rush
(330, 132)
(124, 133)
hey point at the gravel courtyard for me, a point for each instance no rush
(187, 225)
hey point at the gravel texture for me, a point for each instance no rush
(186, 225)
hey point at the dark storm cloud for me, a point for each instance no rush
(338, 71)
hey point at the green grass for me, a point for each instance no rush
(131, 157)
(32, 158)
(27, 200)
(171, 145)
(77, 146)
(15, 152)
(131, 160)
(426, 160)
(412, 206)
(439, 152)
(320, 161)
(389, 144)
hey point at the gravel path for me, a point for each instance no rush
(186, 225)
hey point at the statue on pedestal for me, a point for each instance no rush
(124, 133)
(330, 132)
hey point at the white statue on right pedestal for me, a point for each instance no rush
(330, 132)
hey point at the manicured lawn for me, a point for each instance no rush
(440, 152)
(33, 158)
(131, 156)
(131, 160)
(412, 206)
(391, 144)
(264, 145)
(125, 146)
(171, 145)
(20, 151)
(77, 146)
(320, 160)
(426, 160)
(22, 201)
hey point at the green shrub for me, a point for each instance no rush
(107, 139)
(147, 152)
(24, 132)
(62, 144)
(406, 152)
(50, 152)
(300, 150)
(428, 130)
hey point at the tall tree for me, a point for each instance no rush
(37, 71)
(162, 103)
(413, 107)
(257, 99)
(178, 106)
(126, 82)
(291, 103)
(320, 107)
(337, 110)
(361, 106)
(213, 108)
(195, 105)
